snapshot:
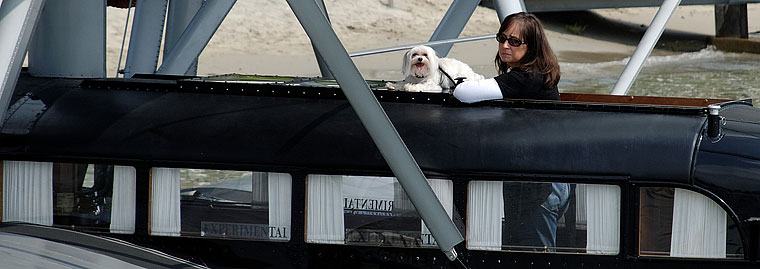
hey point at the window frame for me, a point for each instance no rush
(621, 181)
(294, 179)
(635, 232)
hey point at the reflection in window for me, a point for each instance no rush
(233, 204)
(83, 194)
(368, 211)
(89, 196)
(682, 223)
(543, 217)
(94, 196)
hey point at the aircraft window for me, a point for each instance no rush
(682, 223)
(368, 211)
(543, 217)
(71, 195)
(221, 204)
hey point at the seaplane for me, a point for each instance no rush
(172, 169)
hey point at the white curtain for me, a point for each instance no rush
(603, 219)
(279, 204)
(580, 205)
(123, 200)
(485, 209)
(699, 226)
(324, 207)
(444, 191)
(401, 201)
(165, 205)
(28, 192)
(259, 189)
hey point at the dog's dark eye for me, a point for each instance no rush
(424, 54)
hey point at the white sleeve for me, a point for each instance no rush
(478, 90)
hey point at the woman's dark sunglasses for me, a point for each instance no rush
(513, 41)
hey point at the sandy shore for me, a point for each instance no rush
(264, 37)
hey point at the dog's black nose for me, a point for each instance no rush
(419, 59)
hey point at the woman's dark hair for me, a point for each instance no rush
(539, 57)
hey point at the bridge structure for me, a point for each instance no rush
(730, 15)
(66, 39)
(559, 5)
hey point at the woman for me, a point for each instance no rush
(527, 69)
(527, 66)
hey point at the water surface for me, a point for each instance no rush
(707, 73)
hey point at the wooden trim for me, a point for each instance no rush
(2, 173)
(150, 201)
(467, 212)
(639, 100)
(305, 208)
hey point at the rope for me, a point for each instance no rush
(121, 52)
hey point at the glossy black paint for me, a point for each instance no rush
(302, 130)
(729, 166)
(321, 133)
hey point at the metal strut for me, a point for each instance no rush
(17, 21)
(647, 43)
(378, 125)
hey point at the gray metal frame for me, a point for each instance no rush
(195, 37)
(645, 47)
(124, 37)
(323, 70)
(66, 48)
(181, 12)
(432, 43)
(453, 19)
(18, 19)
(506, 7)
(452, 24)
(565, 5)
(145, 40)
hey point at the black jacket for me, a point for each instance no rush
(519, 84)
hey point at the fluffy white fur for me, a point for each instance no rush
(420, 69)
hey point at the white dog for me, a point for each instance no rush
(425, 72)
